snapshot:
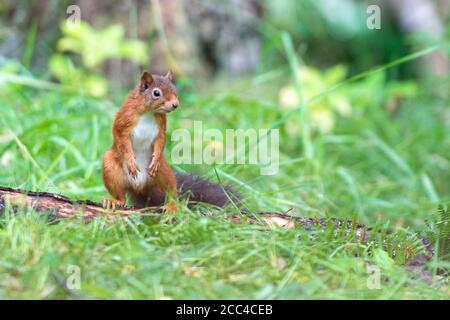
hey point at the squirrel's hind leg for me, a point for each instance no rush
(114, 181)
(166, 182)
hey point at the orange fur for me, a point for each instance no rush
(121, 157)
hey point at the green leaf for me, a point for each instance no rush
(382, 259)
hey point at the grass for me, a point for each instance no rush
(389, 167)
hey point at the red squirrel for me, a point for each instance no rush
(135, 164)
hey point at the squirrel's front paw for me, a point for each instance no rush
(153, 167)
(132, 168)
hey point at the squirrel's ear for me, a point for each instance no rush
(146, 80)
(170, 76)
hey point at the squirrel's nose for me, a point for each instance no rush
(175, 105)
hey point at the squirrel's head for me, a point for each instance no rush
(158, 92)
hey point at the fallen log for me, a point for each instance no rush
(58, 206)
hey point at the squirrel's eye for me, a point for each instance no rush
(156, 93)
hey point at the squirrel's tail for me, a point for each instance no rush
(196, 189)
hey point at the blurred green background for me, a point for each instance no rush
(363, 114)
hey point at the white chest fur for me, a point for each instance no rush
(142, 138)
